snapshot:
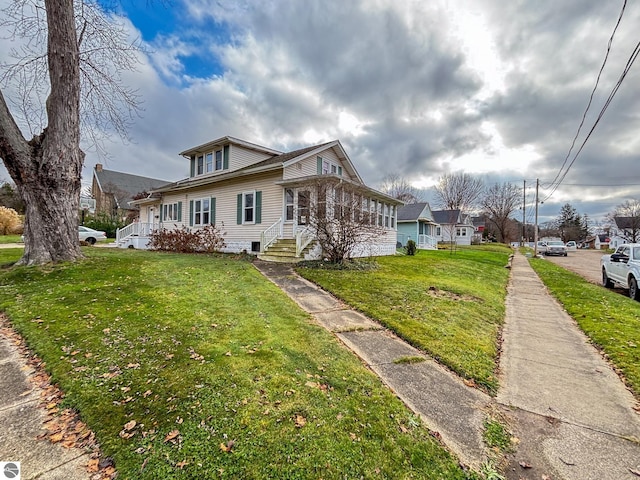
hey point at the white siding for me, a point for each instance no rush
(303, 168)
(309, 165)
(237, 237)
(240, 157)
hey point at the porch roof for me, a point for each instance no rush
(332, 177)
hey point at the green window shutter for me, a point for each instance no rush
(239, 213)
(193, 166)
(319, 165)
(340, 171)
(179, 211)
(191, 213)
(258, 207)
(212, 214)
(225, 157)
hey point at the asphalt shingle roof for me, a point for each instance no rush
(125, 185)
(410, 211)
(446, 216)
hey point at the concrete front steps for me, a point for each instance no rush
(282, 250)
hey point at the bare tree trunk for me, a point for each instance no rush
(47, 169)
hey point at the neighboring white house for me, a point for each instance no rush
(454, 226)
(260, 197)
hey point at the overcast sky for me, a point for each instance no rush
(418, 88)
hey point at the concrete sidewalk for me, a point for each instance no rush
(572, 414)
(22, 418)
(573, 417)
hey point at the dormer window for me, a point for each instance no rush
(210, 162)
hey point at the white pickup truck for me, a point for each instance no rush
(622, 268)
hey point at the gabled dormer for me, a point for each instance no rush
(224, 155)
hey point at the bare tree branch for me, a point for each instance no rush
(499, 202)
(458, 191)
(399, 187)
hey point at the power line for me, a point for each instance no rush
(561, 176)
(632, 59)
(584, 115)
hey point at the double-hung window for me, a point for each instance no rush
(209, 162)
(219, 160)
(288, 204)
(326, 167)
(201, 211)
(170, 212)
(200, 165)
(248, 207)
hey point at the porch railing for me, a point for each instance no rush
(270, 235)
(427, 242)
(303, 238)
(135, 229)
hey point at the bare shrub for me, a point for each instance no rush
(10, 222)
(208, 239)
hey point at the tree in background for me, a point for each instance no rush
(626, 217)
(585, 229)
(10, 198)
(458, 191)
(569, 223)
(399, 187)
(84, 54)
(499, 202)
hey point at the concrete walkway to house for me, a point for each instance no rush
(573, 417)
(22, 418)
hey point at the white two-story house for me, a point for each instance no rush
(260, 197)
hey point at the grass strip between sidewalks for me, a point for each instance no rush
(197, 367)
(610, 320)
(449, 304)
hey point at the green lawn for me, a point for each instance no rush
(10, 239)
(451, 305)
(611, 320)
(208, 349)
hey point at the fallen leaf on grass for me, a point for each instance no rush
(227, 447)
(129, 425)
(300, 421)
(171, 435)
(182, 464)
(469, 383)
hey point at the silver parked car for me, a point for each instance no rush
(556, 247)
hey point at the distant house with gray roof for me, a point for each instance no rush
(415, 222)
(113, 190)
(453, 225)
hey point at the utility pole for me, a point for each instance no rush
(524, 216)
(535, 228)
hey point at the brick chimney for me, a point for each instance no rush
(98, 167)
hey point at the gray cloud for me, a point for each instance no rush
(409, 73)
